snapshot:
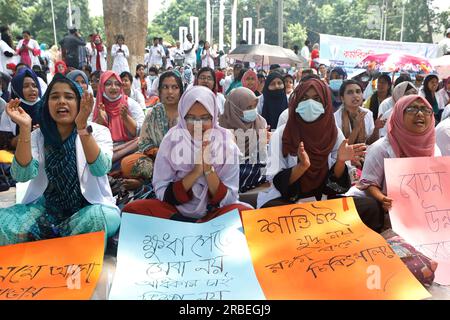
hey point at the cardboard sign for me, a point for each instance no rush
(322, 250)
(58, 269)
(420, 189)
(160, 259)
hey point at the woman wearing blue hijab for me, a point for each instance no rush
(26, 91)
(66, 161)
(25, 87)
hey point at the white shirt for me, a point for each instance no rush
(178, 54)
(156, 55)
(33, 44)
(120, 58)
(96, 190)
(4, 60)
(220, 102)
(190, 57)
(443, 47)
(368, 120)
(443, 136)
(385, 111)
(137, 96)
(277, 162)
(282, 120)
(208, 58)
(373, 171)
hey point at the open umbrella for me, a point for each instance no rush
(265, 54)
(442, 66)
(395, 62)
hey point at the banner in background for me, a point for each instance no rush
(347, 52)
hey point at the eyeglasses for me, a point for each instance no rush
(415, 110)
(193, 120)
(206, 78)
(111, 83)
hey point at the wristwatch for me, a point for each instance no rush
(207, 173)
(85, 132)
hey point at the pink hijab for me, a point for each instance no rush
(112, 108)
(248, 74)
(405, 143)
(175, 158)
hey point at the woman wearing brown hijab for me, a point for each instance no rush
(250, 132)
(308, 155)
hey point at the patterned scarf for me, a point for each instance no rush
(63, 195)
(349, 122)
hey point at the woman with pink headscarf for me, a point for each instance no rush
(196, 173)
(250, 80)
(123, 116)
(410, 133)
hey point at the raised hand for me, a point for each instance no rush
(18, 115)
(386, 203)
(102, 116)
(303, 157)
(353, 152)
(359, 119)
(86, 105)
(379, 123)
(123, 111)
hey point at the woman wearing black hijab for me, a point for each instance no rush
(275, 100)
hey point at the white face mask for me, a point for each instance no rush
(310, 110)
(111, 100)
(249, 115)
(335, 84)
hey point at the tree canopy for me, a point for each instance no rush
(352, 18)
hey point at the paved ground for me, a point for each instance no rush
(7, 198)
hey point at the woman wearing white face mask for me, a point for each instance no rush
(337, 77)
(308, 156)
(251, 135)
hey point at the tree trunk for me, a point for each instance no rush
(130, 18)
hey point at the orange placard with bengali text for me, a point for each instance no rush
(322, 250)
(58, 269)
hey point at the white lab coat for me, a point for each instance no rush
(96, 190)
(33, 44)
(120, 63)
(93, 58)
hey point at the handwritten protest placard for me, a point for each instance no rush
(58, 269)
(420, 189)
(322, 250)
(161, 259)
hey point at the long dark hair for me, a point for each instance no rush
(428, 94)
(137, 68)
(5, 36)
(169, 74)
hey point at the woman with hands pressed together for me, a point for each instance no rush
(123, 116)
(66, 161)
(308, 156)
(196, 173)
